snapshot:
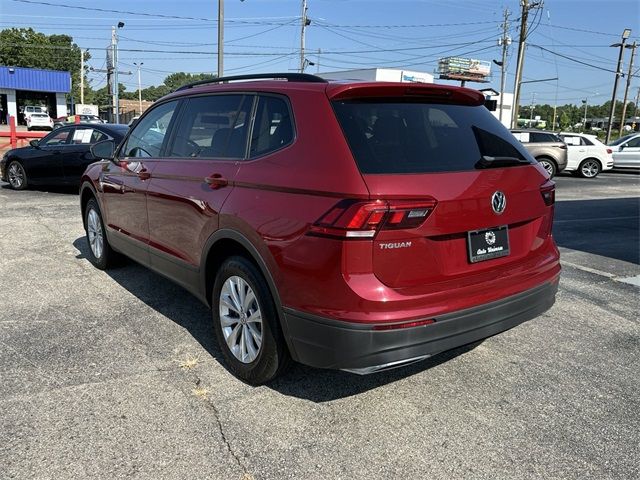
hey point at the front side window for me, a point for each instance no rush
(273, 128)
(399, 136)
(634, 142)
(148, 136)
(213, 126)
(58, 137)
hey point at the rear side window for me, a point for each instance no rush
(213, 126)
(273, 127)
(538, 137)
(410, 137)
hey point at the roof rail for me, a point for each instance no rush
(290, 77)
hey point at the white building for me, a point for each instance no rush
(507, 107)
(379, 75)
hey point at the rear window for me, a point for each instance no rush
(409, 137)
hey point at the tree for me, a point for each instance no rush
(173, 82)
(24, 47)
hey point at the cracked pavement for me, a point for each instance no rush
(116, 374)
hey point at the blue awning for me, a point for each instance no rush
(34, 79)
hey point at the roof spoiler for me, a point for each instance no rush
(419, 91)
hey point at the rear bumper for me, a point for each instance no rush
(326, 343)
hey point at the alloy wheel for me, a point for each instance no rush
(548, 166)
(240, 319)
(590, 168)
(16, 175)
(94, 233)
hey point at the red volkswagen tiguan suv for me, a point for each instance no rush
(357, 226)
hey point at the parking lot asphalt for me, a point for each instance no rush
(116, 374)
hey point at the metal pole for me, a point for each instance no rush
(584, 122)
(520, 63)
(505, 44)
(626, 89)
(533, 100)
(635, 110)
(81, 76)
(304, 25)
(612, 111)
(220, 36)
(114, 50)
(139, 87)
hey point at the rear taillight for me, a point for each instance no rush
(548, 192)
(563, 146)
(354, 219)
(609, 151)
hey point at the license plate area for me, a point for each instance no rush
(488, 243)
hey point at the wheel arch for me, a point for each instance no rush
(225, 243)
(87, 192)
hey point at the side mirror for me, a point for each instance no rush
(35, 143)
(104, 150)
(621, 147)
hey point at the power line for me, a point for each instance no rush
(573, 59)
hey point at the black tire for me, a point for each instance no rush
(17, 176)
(549, 165)
(589, 168)
(104, 258)
(272, 357)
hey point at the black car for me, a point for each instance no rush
(60, 158)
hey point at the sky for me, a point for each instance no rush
(264, 36)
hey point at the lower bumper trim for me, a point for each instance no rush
(326, 343)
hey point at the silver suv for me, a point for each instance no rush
(546, 147)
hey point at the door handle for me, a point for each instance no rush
(144, 174)
(216, 181)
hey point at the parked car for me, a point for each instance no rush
(29, 110)
(586, 155)
(546, 147)
(356, 226)
(60, 158)
(39, 121)
(71, 120)
(626, 151)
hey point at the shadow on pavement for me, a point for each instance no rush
(46, 189)
(300, 381)
(609, 227)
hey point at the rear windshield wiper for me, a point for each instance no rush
(498, 162)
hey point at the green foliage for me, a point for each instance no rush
(24, 47)
(173, 82)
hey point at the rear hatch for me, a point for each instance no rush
(461, 198)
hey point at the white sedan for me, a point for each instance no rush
(39, 120)
(626, 151)
(586, 156)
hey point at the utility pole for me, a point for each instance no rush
(533, 101)
(116, 89)
(612, 112)
(635, 110)
(139, 65)
(220, 37)
(81, 76)
(305, 23)
(526, 6)
(584, 121)
(505, 41)
(626, 88)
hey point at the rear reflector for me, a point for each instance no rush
(396, 326)
(548, 192)
(356, 219)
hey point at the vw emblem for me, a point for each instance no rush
(490, 238)
(498, 202)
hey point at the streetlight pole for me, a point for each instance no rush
(139, 86)
(625, 34)
(584, 120)
(116, 93)
(626, 88)
(220, 36)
